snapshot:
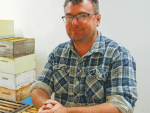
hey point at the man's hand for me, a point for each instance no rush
(52, 106)
(45, 108)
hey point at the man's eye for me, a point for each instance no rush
(69, 17)
(82, 16)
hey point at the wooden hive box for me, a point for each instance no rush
(16, 47)
(6, 27)
(18, 65)
(15, 82)
(15, 95)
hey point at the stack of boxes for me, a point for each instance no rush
(17, 63)
(6, 28)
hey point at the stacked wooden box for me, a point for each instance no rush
(6, 28)
(17, 65)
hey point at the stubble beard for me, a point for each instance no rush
(81, 39)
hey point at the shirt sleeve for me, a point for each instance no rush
(123, 105)
(45, 80)
(122, 80)
(41, 85)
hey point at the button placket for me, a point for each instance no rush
(77, 88)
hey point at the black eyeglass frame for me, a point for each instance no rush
(78, 14)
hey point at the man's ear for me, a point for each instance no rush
(98, 20)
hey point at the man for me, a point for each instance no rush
(90, 73)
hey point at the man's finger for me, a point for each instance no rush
(49, 106)
(53, 102)
(42, 108)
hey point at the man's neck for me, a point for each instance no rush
(83, 47)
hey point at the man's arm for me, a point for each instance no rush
(39, 96)
(101, 108)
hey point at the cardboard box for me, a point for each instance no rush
(6, 27)
(18, 65)
(15, 95)
(16, 47)
(15, 82)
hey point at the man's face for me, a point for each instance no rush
(81, 31)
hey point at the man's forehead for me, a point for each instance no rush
(79, 3)
(86, 4)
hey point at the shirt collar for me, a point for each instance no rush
(98, 45)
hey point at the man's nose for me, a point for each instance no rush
(75, 21)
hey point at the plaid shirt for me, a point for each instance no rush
(107, 69)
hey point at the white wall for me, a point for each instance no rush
(126, 21)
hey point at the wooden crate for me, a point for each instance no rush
(16, 82)
(10, 106)
(15, 95)
(16, 47)
(30, 109)
(18, 65)
(6, 27)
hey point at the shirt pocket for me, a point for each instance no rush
(95, 85)
(61, 75)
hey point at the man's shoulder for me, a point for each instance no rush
(63, 45)
(61, 48)
(108, 42)
(112, 45)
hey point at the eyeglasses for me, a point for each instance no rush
(80, 17)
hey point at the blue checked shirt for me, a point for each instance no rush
(107, 73)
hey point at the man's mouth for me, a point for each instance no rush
(76, 30)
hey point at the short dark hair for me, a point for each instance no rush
(95, 4)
